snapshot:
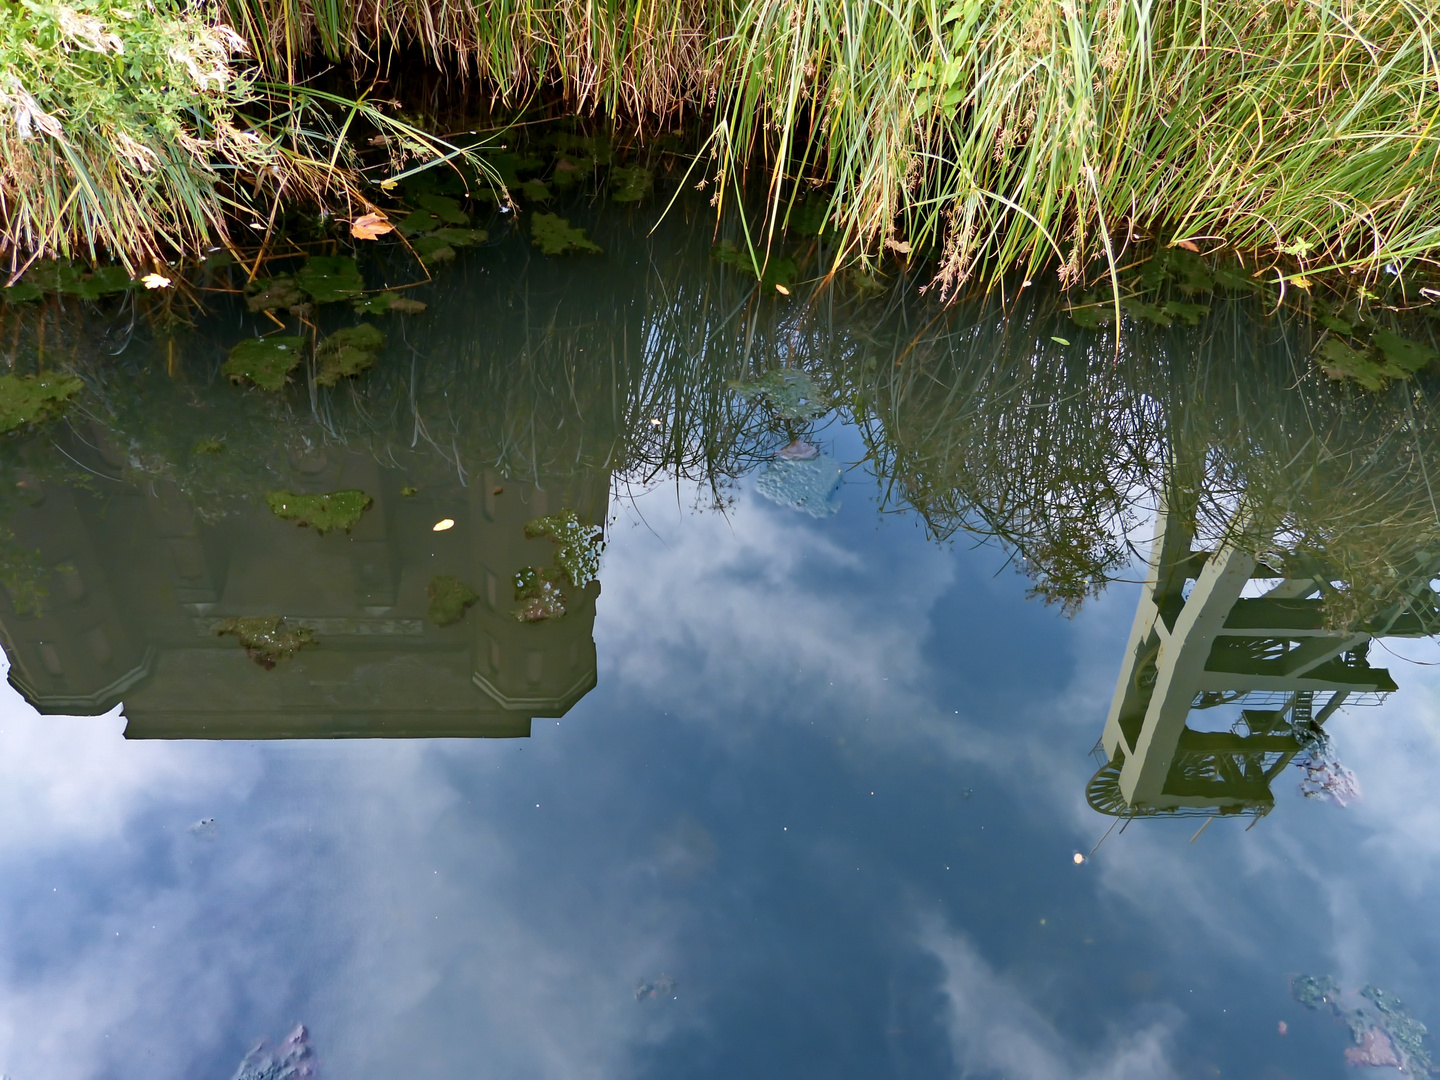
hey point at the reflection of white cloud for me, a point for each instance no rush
(995, 1031)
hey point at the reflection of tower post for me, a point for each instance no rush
(1208, 647)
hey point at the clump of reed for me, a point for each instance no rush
(144, 131)
(1029, 133)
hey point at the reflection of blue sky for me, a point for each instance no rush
(831, 781)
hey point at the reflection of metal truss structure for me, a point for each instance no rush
(1196, 644)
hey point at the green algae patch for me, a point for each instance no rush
(554, 235)
(631, 183)
(790, 395)
(461, 237)
(383, 303)
(444, 208)
(264, 361)
(577, 547)
(327, 278)
(273, 294)
(538, 592)
(450, 598)
(346, 353)
(267, 639)
(1388, 357)
(432, 250)
(333, 510)
(207, 446)
(29, 399)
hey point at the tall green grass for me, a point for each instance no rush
(992, 133)
(988, 133)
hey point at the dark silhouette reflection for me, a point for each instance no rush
(533, 386)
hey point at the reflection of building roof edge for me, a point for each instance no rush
(536, 705)
(102, 700)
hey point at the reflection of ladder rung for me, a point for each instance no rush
(1302, 709)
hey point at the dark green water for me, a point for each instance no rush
(806, 772)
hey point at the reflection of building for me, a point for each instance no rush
(138, 583)
(1266, 661)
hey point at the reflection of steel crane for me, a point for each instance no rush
(1197, 644)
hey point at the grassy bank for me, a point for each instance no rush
(1048, 136)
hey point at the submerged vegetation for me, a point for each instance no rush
(333, 510)
(982, 136)
(267, 639)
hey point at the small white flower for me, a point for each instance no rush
(155, 281)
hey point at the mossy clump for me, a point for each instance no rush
(449, 599)
(383, 303)
(264, 361)
(332, 510)
(207, 446)
(577, 547)
(790, 395)
(273, 294)
(268, 639)
(327, 278)
(347, 353)
(28, 399)
(630, 183)
(554, 235)
(538, 591)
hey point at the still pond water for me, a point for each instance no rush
(807, 782)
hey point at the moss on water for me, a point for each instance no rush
(449, 598)
(346, 353)
(267, 639)
(539, 593)
(332, 510)
(29, 399)
(554, 235)
(577, 546)
(264, 361)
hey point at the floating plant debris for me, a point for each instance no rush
(449, 599)
(630, 183)
(790, 395)
(28, 399)
(432, 250)
(347, 353)
(264, 361)
(327, 278)
(577, 547)
(273, 294)
(538, 591)
(267, 639)
(333, 510)
(381, 303)
(207, 446)
(554, 235)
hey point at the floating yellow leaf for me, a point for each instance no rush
(155, 281)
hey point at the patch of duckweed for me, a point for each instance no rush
(332, 510)
(273, 294)
(433, 250)
(630, 183)
(264, 361)
(538, 592)
(29, 399)
(207, 446)
(461, 237)
(554, 235)
(382, 303)
(790, 395)
(577, 547)
(347, 353)
(449, 599)
(444, 208)
(327, 278)
(267, 639)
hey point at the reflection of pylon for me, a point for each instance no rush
(1196, 644)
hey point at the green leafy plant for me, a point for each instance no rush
(554, 235)
(264, 361)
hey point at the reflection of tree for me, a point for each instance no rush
(981, 417)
